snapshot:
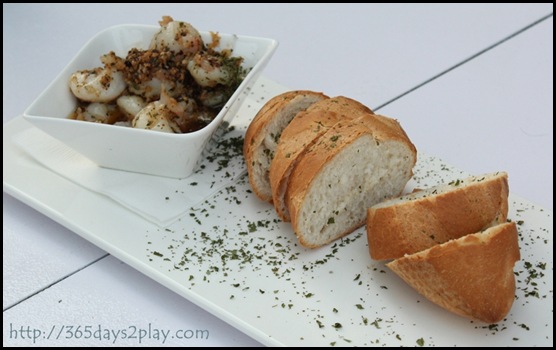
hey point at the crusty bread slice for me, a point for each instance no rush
(354, 165)
(300, 134)
(264, 132)
(471, 276)
(422, 219)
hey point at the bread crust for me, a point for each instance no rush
(471, 276)
(258, 130)
(414, 225)
(300, 134)
(330, 145)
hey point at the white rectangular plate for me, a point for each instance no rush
(232, 256)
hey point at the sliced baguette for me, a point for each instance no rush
(354, 165)
(422, 219)
(264, 132)
(471, 276)
(300, 134)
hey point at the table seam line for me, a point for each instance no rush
(466, 60)
(54, 283)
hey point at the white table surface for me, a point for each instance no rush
(491, 112)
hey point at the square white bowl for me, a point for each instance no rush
(131, 149)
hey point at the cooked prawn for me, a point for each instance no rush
(98, 112)
(156, 116)
(210, 70)
(103, 84)
(130, 105)
(177, 36)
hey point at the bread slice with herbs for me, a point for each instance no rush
(354, 165)
(471, 276)
(264, 132)
(300, 134)
(425, 218)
